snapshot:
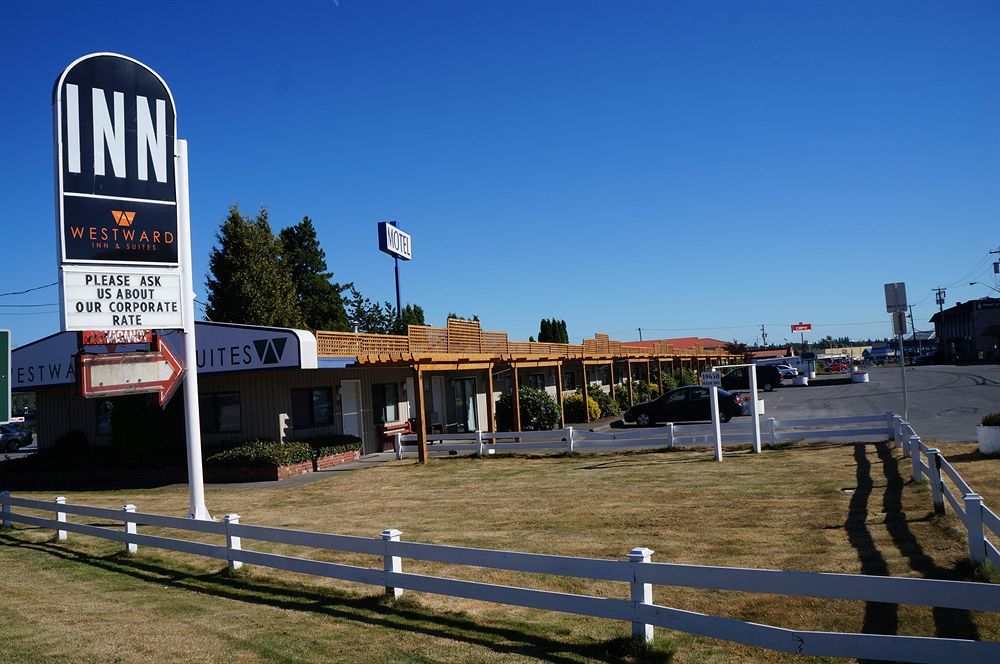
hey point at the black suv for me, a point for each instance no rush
(768, 378)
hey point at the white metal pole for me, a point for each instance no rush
(192, 420)
(754, 407)
(902, 371)
(716, 428)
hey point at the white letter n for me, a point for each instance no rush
(148, 140)
(106, 133)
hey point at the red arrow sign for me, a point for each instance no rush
(116, 374)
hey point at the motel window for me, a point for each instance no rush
(569, 380)
(385, 402)
(220, 412)
(312, 407)
(537, 381)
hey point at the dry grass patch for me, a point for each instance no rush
(832, 508)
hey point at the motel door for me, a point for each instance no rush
(350, 403)
(464, 390)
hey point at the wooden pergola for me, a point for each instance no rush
(465, 346)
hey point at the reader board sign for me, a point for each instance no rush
(119, 298)
(115, 129)
(802, 327)
(394, 242)
(711, 379)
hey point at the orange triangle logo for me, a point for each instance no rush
(123, 217)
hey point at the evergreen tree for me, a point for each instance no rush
(248, 282)
(564, 332)
(412, 314)
(545, 331)
(475, 317)
(319, 300)
(367, 316)
(553, 331)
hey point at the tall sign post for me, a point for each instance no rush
(5, 409)
(397, 244)
(895, 304)
(123, 223)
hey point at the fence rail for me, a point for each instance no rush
(638, 570)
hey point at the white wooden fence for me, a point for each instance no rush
(572, 440)
(967, 504)
(637, 570)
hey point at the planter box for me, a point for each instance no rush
(223, 475)
(327, 462)
(989, 440)
(859, 377)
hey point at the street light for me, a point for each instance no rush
(973, 283)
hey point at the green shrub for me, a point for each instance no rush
(573, 408)
(261, 454)
(992, 420)
(621, 397)
(686, 377)
(604, 401)
(335, 443)
(539, 411)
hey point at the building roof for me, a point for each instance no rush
(961, 307)
(684, 343)
(772, 353)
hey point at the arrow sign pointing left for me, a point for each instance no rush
(115, 374)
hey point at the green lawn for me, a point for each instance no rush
(821, 508)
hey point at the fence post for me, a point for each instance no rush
(897, 431)
(904, 438)
(889, 422)
(479, 443)
(640, 593)
(934, 463)
(4, 495)
(570, 440)
(391, 563)
(397, 443)
(772, 432)
(915, 458)
(670, 435)
(974, 528)
(233, 543)
(130, 528)
(61, 518)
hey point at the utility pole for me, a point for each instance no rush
(939, 298)
(640, 334)
(913, 327)
(763, 335)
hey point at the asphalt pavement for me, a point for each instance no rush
(946, 402)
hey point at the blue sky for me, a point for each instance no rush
(691, 168)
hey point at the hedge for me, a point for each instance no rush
(991, 420)
(261, 454)
(539, 411)
(604, 401)
(573, 407)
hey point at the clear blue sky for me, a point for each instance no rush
(691, 168)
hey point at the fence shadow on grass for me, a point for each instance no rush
(950, 623)
(371, 611)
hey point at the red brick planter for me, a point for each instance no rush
(327, 462)
(257, 474)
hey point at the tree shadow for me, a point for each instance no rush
(368, 611)
(950, 623)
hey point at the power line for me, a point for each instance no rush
(28, 290)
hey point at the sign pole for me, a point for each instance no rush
(399, 307)
(192, 420)
(902, 372)
(716, 426)
(754, 407)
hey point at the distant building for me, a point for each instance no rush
(969, 331)
(772, 353)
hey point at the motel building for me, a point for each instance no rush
(284, 384)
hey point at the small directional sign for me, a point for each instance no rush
(116, 374)
(711, 379)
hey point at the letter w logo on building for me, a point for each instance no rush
(123, 217)
(270, 350)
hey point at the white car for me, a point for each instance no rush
(787, 371)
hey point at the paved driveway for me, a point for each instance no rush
(946, 402)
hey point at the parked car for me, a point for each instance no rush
(837, 367)
(768, 378)
(12, 438)
(685, 404)
(787, 371)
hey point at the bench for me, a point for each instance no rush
(387, 433)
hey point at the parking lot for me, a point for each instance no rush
(946, 402)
